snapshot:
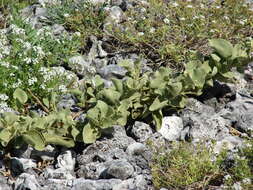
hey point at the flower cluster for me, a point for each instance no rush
(26, 56)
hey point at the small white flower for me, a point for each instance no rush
(152, 30)
(77, 34)
(189, 6)
(4, 97)
(28, 45)
(66, 15)
(31, 81)
(166, 21)
(175, 4)
(17, 84)
(226, 17)
(218, 7)
(201, 16)
(28, 60)
(5, 64)
(182, 19)
(62, 88)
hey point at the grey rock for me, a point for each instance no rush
(81, 66)
(16, 167)
(49, 2)
(118, 169)
(87, 184)
(66, 101)
(59, 173)
(58, 29)
(27, 182)
(96, 50)
(171, 128)
(110, 71)
(96, 157)
(115, 15)
(66, 161)
(137, 183)
(4, 184)
(231, 143)
(240, 113)
(41, 12)
(201, 122)
(140, 131)
(136, 149)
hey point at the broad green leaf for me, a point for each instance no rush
(215, 57)
(228, 75)
(74, 132)
(118, 85)
(111, 96)
(222, 47)
(238, 52)
(98, 81)
(46, 102)
(175, 88)
(35, 138)
(157, 105)
(5, 136)
(90, 134)
(93, 115)
(103, 107)
(10, 118)
(127, 64)
(157, 117)
(198, 77)
(59, 140)
(20, 95)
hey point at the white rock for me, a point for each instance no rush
(171, 128)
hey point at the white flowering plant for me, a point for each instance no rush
(32, 59)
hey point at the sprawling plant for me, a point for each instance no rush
(137, 96)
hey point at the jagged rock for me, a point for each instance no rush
(231, 143)
(136, 149)
(115, 15)
(27, 182)
(66, 102)
(66, 161)
(137, 183)
(118, 169)
(4, 184)
(96, 50)
(102, 152)
(58, 29)
(239, 112)
(102, 184)
(140, 131)
(110, 71)
(81, 66)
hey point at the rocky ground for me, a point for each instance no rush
(120, 161)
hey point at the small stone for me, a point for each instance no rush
(141, 131)
(171, 128)
(136, 149)
(110, 71)
(66, 161)
(119, 169)
(27, 181)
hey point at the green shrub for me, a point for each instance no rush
(196, 167)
